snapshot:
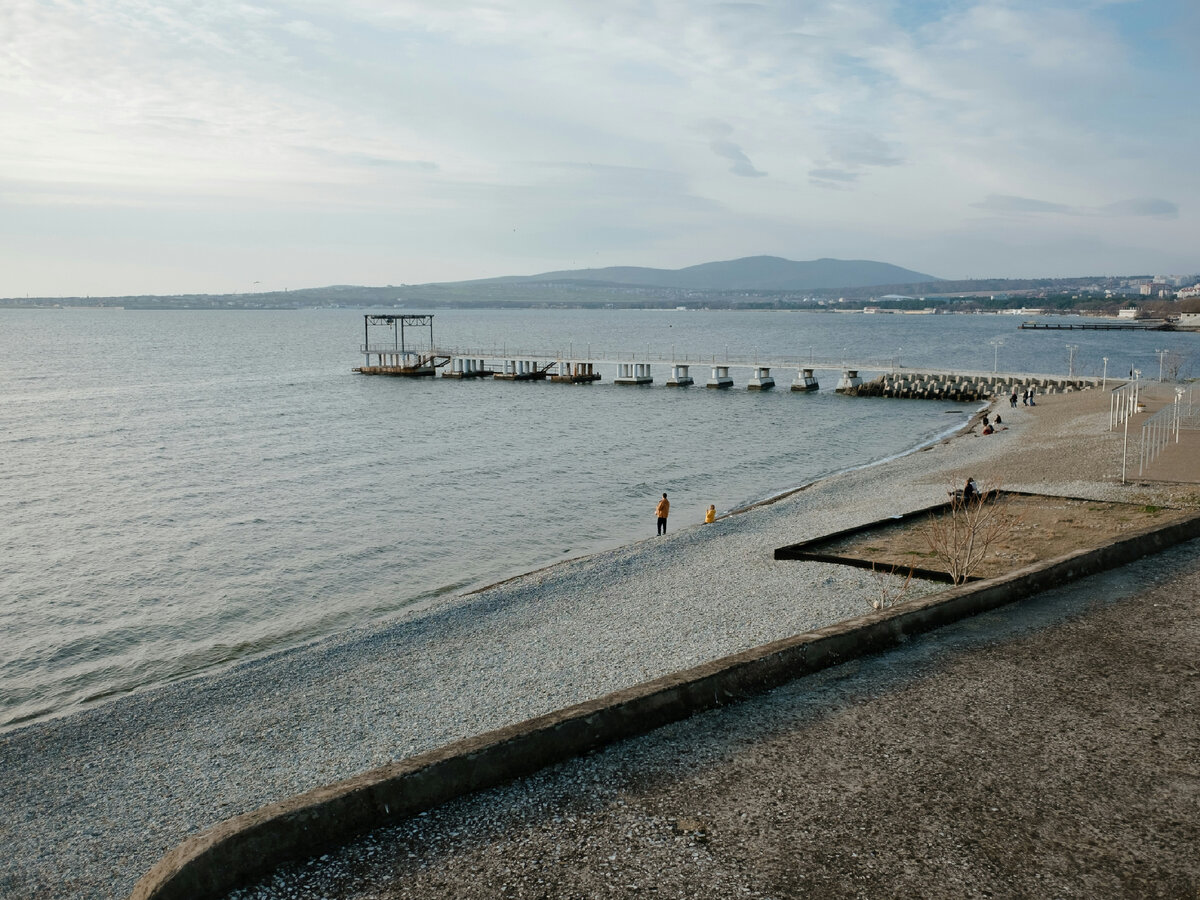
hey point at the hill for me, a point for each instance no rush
(751, 273)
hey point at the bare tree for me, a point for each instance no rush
(962, 535)
(1178, 366)
(891, 589)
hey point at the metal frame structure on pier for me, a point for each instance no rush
(398, 359)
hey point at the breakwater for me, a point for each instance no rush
(911, 385)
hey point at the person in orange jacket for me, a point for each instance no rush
(710, 514)
(662, 510)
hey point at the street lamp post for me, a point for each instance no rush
(996, 344)
(1161, 354)
(1104, 378)
(1071, 348)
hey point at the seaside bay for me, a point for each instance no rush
(183, 490)
(114, 786)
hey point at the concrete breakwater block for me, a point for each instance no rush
(919, 386)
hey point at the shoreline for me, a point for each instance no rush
(104, 792)
(424, 601)
(940, 438)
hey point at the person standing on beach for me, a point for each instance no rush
(662, 511)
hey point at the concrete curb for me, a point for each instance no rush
(211, 864)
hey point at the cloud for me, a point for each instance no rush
(427, 112)
(302, 28)
(1141, 206)
(741, 162)
(865, 149)
(833, 179)
(356, 159)
(1006, 203)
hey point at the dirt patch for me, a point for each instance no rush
(1036, 527)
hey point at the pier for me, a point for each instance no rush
(640, 368)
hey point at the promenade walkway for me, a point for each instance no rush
(1043, 750)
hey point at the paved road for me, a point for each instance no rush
(1051, 749)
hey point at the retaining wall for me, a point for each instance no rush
(240, 849)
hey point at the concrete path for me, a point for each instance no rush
(1050, 749)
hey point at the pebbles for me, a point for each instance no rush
(89, 802)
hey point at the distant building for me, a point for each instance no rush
(1129, 312)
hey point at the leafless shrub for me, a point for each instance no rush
(890, 589)
(962, 536)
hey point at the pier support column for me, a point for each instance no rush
(719, 378)
(633, 373)
(762, 380)
(849, 382)
(680, 377)
(805, 381)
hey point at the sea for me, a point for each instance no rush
(181, 490)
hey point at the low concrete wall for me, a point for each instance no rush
(210, 864)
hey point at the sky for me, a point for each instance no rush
(235, 146)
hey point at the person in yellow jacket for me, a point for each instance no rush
(710, 514)
(662, 510)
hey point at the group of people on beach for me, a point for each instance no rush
(1026, 398)
(664, 509)
(991, 426)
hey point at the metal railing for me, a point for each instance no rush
(1123, 403)
(1162, 429)
(674, 356)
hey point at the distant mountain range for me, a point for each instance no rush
(751, 273)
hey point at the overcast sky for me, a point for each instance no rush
(174, 146)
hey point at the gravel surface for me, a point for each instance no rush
(89, 802)
(1046, 749)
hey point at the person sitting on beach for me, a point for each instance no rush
(985, 420)
(970, 491)
(989, 430)
(710, 514)
(996, 421)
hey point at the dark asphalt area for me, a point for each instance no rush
(1048, 749)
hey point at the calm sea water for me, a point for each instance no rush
(179, 490)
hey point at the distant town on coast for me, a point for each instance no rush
(759, 282)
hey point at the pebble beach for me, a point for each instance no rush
(90, 801)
